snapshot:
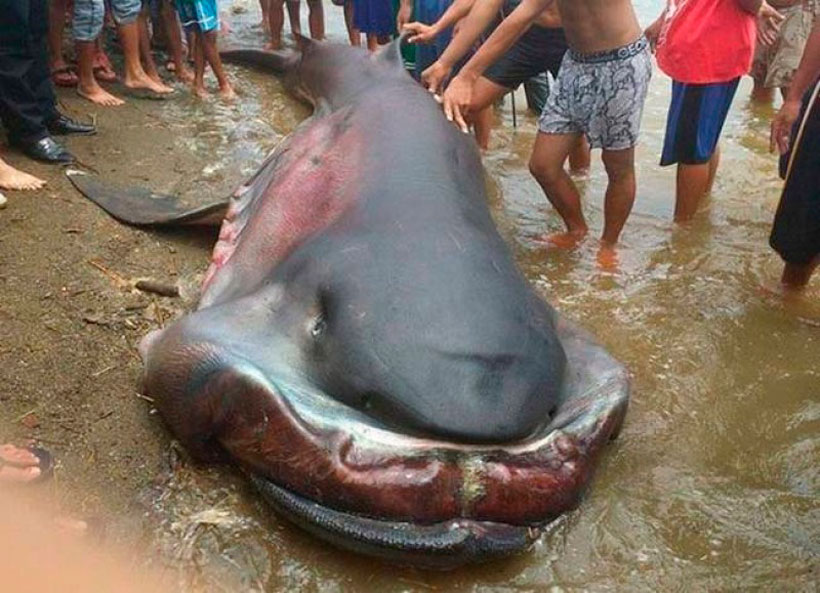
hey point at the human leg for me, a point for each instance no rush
(294, 8)
(209, 43)
(11, 178)
(620, 192)
(146, 56)
(171, 23)
(20, 109)
(695, 120)
(264, 5)
(797, 276)
(126, 15)
(61, 72)
(353, 33)
(87, 24)
(547, 166)
(199, 65)
(276, 22)
(316, 19)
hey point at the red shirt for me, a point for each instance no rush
(706, 41)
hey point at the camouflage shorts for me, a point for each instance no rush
(774, 66)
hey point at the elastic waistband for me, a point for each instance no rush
(621, 53)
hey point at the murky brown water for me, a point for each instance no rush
(713, 484)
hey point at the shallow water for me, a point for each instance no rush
(713, 484)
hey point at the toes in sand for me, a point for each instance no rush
(100, 96)
(11, 178)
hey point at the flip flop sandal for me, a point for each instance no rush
(64, 77)
(105, 74)
(46, 464)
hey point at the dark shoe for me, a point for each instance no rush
(62, 126)
(46, 150)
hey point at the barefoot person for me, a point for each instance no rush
(23, 465)
(540, 49)
(14, 179)
(705, 64)
(11, 178)
(796, 231)
(201, 17)
(599, 93)
(88, 22)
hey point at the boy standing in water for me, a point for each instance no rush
(201, 17)
(599, 92)
(705, 46)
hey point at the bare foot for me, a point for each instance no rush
(567, 240)
(227, 93)
(11, 178)
(273, 45)
(18, 465)
(607, 257)
(184, 74)
(200, 91)
(100, 96)
(146, 83)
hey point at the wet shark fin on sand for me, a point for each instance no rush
(140, 206)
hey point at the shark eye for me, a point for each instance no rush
(319, 326)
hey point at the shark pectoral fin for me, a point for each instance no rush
(141, 207)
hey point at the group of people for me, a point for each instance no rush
(471, 53)
(600, 59)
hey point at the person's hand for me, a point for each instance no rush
(653, 32)
(768, 24)
(419, 32)
(435, 76)
(782, 126)
(403, 16)
(457, 99)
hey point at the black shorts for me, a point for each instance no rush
(536, 51)
(796, 231)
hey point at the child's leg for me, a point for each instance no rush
(353, 32)
(294, 17)
(372, 41)
(126, 14)
(316, 19)
(265, 6)
(146, 56)
(209, 45)
(86, 27)
(199, 64)
(56, 24)
(171, 23)
(276, 22)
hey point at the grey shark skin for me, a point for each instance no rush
(365, 346)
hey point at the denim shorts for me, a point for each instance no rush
(89, 16)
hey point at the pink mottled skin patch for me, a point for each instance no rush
(313, 186)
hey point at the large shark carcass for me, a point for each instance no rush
(365, 347)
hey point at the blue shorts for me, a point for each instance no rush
(201, 15)
(696, 117)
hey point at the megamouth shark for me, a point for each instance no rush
(365, 347)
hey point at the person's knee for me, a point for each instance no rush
(126, 11)
(619, 165)
(87, 21)
(545, 172)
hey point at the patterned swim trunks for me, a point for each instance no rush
(600, 95)
(775, 65)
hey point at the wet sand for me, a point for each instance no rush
(713, 484)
